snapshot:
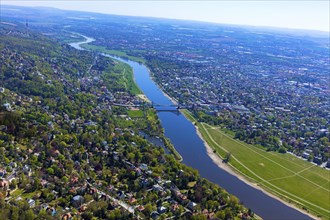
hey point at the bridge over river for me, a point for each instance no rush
(157, 107)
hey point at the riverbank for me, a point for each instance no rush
(173, 100)
(143, 97)
(218, 160)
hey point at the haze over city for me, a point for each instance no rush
(311, 15)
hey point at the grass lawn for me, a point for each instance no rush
(135, 113)
(284, 175)
(191, 184)
(29, 195)
(112, 52)
(16, 193)
(131, 85)
(127, 78)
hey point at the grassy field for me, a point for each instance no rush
(284, 175)
(112, 52)
(135, 113)
(127, 78)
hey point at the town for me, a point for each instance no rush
(271, 89)
(69, 151)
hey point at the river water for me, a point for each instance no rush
(183, 136)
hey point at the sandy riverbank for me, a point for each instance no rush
(218, 161)
(143, 97)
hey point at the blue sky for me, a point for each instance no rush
(296, 14)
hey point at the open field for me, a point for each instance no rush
(112, 52)
(129, 81)
(284, 175)
(135, 113)
(127, 78)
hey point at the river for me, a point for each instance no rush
(183, 136)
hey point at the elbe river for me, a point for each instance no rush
(183, 136)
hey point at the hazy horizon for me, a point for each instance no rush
(301, 15)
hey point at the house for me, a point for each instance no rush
(145, 182)
(103, 197)
(13, 164)
(174, 207)
(73, 190)
(132, 200)
(205, 212)
(92, 191)
(158, 179)
(51, 211)
(76, 164)
(74, 180)
(140, 208)
(192, 206)
(115, 155)
(175, 191)
(4, 184)
(2, 172)
(82, 208)
(143, 166)
(154, 215)
(77, 201)
(3, 128)
(66, 216)
(317, 160)
(182, 197)
(111, 188)
(212, 215)
(114, 205)
(31, 203)
(7, 106)
(121, 194)
(161, 209)
(27, 170)
(138, 171)
(328, 163)
(157, 187)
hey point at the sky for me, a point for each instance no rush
(297, 14)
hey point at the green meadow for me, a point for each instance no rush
(284, 175)
(112, 52)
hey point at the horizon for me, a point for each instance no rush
(289, 17)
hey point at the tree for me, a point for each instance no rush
(282, 150)
(13, 184)
(227, 157)
(148, 209)
(36, 184)
(14, 213)
(29, 215)
(43, 215)
(50, 171)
